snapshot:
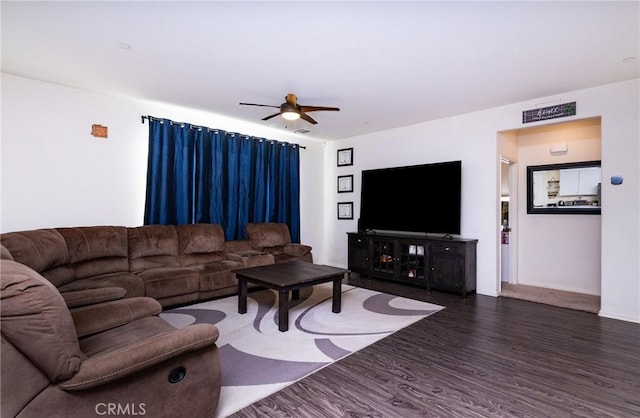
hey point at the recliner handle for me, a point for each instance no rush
(177, 374)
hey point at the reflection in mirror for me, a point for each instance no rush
(564, 188)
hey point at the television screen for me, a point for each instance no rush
(419, 198)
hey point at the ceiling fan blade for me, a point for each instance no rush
(271, 116)
(314, 108)
(307, 118)
(263, 105)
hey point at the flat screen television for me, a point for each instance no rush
(419, 198)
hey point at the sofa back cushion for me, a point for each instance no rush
(200, 243)
(269, 234)
(96, 250)
(152, 246)
(35, 319)
(44, 250)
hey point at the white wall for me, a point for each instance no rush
(474, 139)
(55, 174)
(620, 292)
(558, 251)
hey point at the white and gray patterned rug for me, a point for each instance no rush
(257, 359)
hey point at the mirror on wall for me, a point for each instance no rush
(569, 188)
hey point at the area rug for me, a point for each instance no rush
(258, 360)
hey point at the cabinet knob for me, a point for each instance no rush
(447, 248)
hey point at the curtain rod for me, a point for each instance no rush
(210, 129)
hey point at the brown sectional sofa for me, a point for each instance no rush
(81, 331)
(174, 264)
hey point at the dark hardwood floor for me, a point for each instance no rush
(479, 357)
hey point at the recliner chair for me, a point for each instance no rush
(113, 358)
(274, 238)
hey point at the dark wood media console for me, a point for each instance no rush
(447, 264)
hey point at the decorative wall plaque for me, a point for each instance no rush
(99, 131)
(549, 112)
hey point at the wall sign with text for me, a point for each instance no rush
(549, 112)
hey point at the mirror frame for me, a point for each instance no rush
(582, 210)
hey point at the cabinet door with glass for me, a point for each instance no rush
(412, 262)
(383, 258)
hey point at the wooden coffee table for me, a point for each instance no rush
(289, 277)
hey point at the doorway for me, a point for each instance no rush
(572, 264)
(505, 228)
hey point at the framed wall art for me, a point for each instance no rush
(345, 157)
(345, 183)
(345, 210)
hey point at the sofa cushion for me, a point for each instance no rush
(218, 275)
(297, 250)
(44, 250)
(269, 234)
(277, 250)
(121, 337)
(164, 282)
(283, 258)
(93, 319)
(96, 250)
(85, 297)
(252, 258)
(200, 243)
(153, 246)
(131, 283)
(35, 319)
(238, 246)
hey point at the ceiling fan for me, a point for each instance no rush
(291, 110)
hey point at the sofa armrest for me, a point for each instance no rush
(103, 316)
(297, 250)
(79, 298)
(111, 366)
(238, 246)
(234, 257)
(5, 254)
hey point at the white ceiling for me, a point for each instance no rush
(385, 64)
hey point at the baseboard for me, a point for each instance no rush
(612, 315)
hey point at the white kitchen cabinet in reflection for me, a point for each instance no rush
(579, 181)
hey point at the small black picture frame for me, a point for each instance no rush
(345, 157)
(345, 183)
(345, 210)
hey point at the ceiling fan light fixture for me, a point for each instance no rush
(290, 115)
(292, 111)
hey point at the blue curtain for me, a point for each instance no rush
(170, 181)
(197, 174)
(284, 189)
